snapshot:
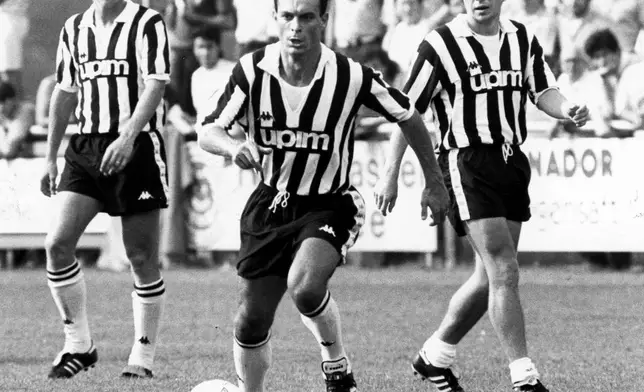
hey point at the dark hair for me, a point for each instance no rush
(209, 34)
(6, 91)
(323, 5)
(601, 40)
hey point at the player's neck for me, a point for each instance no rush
(105, 14)
(491, 27)
(298, 70)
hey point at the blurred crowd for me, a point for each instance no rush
(594, 47)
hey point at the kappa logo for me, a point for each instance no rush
(68, 321)
(473, 65)
(82, 56)
(144, 340)
(327, 229)
(265, 116)
(145, 195)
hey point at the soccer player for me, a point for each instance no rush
(114, 57)
(297, 101)
(476, 72)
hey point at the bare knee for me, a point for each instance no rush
(505, 274)
(252, 325)
(60, 251)
(142, 259)
(307, 291)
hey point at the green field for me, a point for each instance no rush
(585, 331)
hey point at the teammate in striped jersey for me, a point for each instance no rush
(298, 100)
(112, 60)
(476, 73)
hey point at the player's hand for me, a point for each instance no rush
(578, 114)
(48, 180)
(434, 197)
(248, 155)
(117, 155)
(386, 193)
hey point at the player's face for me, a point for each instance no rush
(300, 24)
(206, 52)
(484, 12)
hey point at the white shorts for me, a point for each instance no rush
(13, 30)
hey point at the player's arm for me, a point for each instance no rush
(62, 103)
(544, 93)
(422, 85)
(232, 105)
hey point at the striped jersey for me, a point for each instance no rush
(312, 141)
(478, 86)
(108, 68)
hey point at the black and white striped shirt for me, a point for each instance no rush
(313, 143)
(108, 68)
(478, 88)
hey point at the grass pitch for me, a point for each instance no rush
(584, 331)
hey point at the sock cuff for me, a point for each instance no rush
(259, 344)
(321, 308)
(65, 276)
(435, 342)
(523, 370)
(150, 290)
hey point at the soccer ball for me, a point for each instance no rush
(215, 386)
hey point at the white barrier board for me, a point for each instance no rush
(587, 195)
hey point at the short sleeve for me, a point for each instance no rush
(155, 54)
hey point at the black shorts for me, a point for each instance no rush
(270, 239)
(482, 185)
(140, 187)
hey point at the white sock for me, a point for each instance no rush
(324, 323)
(438, 353)
(251, 363)
(68, 289)
(147, 307)
(523, 371)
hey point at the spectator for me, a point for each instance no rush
(184, 17)
(16, 118)
(629, 95)
(209, 80)
(15, 26)
(402, 40)
(256, 26)
(579, 84)
(628, 20)
(576, 21)
(608, 61)
(541, 20)
(356, 28)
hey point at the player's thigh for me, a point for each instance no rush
(258, 302)
(491, 238)
(72, 213)
(141, 235)
(314, 263)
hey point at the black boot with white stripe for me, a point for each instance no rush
(443, 378)
(67, 365)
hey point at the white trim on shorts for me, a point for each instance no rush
(159, 161)
(359, 218)
(457, 185)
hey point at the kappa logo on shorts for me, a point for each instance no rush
(327, 229)
(145, 195)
